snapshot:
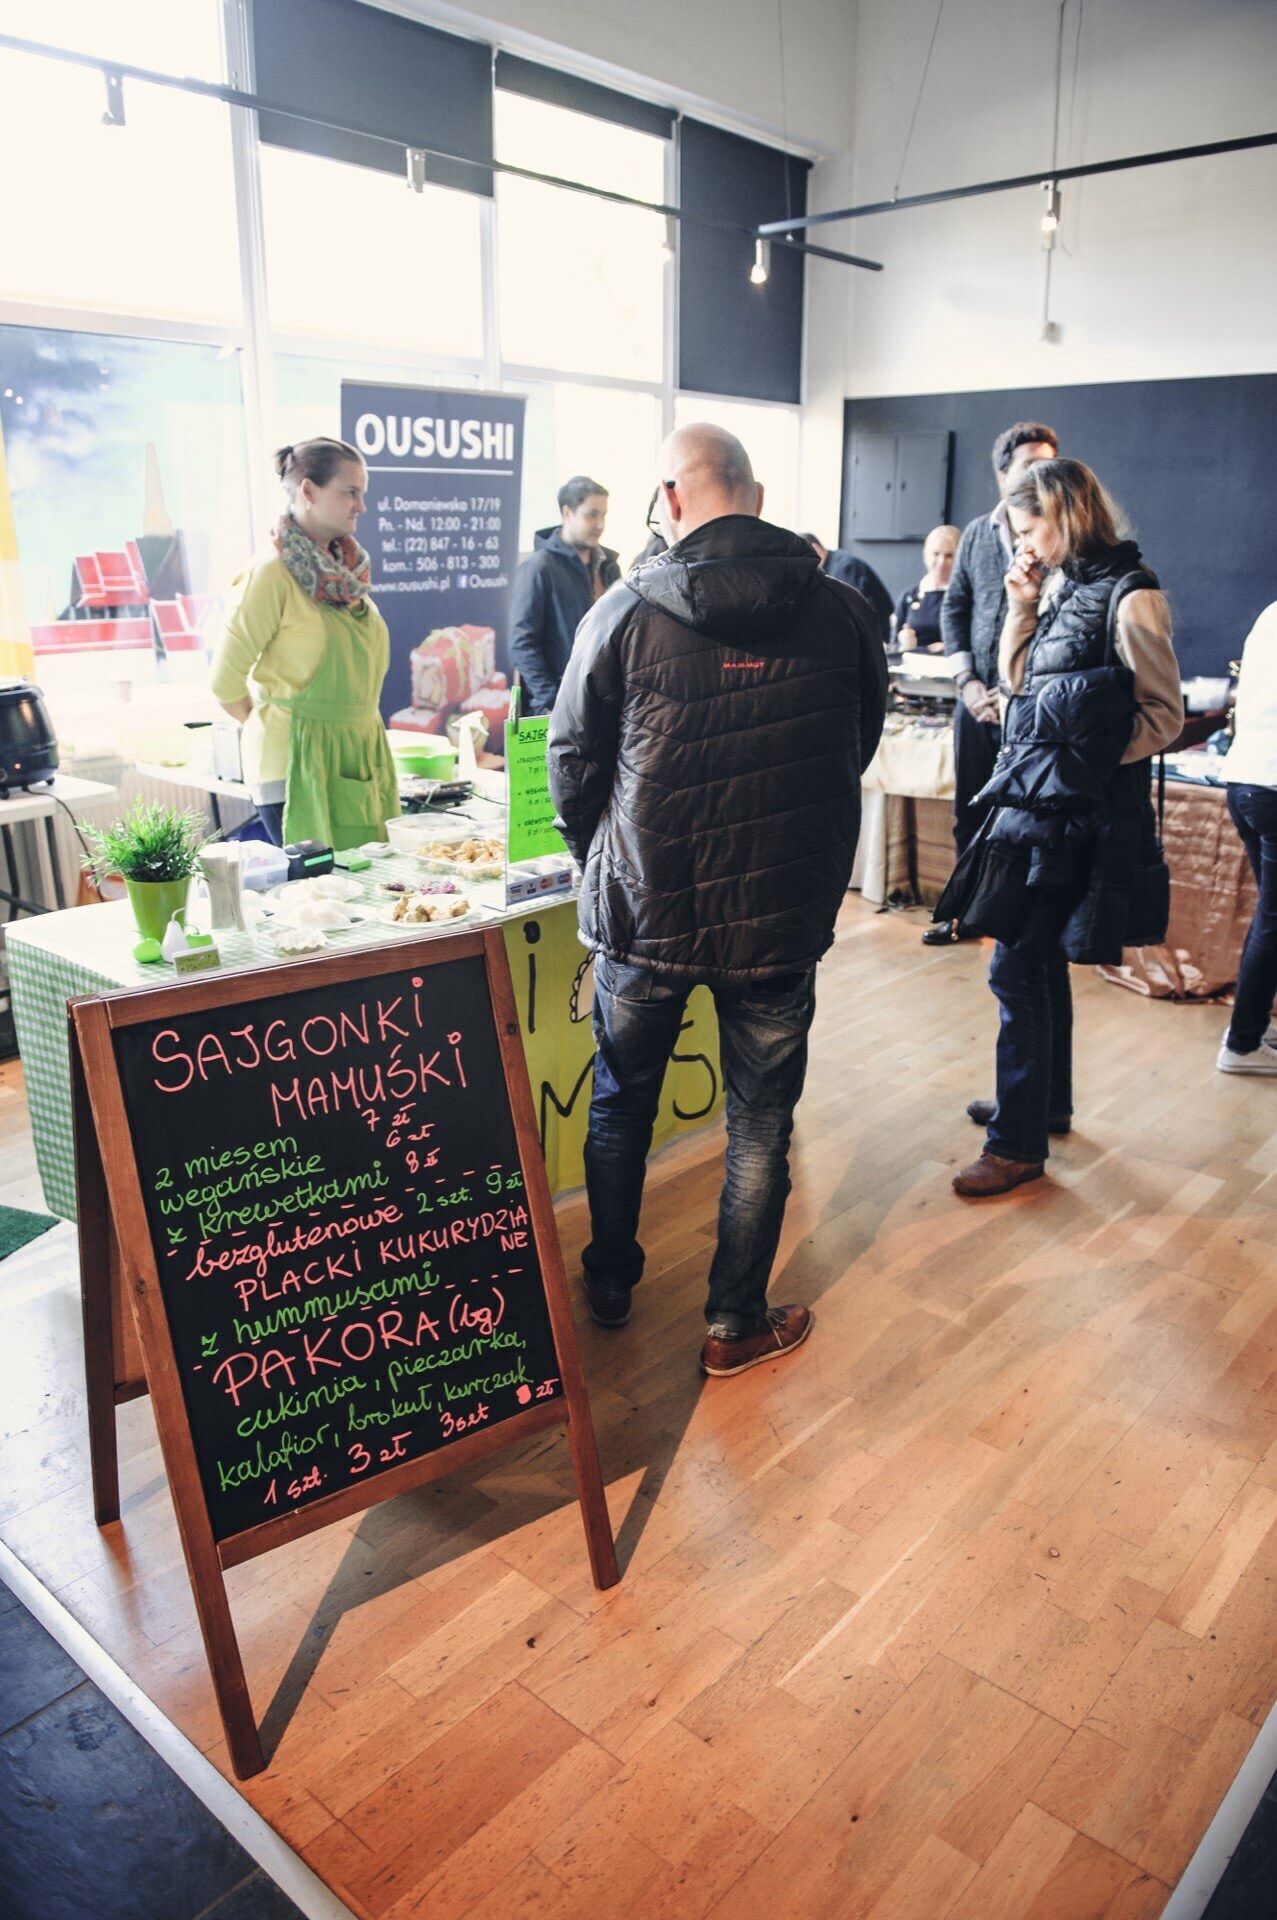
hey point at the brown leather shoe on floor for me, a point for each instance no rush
(991, 1174)
(787, 1328)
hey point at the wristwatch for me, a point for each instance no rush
(960, 679)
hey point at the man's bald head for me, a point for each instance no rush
(705, 473)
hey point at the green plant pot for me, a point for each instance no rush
(154, 902)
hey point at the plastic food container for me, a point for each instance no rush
(429, 761)
(410, 830)
(261, 865)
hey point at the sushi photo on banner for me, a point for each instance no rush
(442, 532)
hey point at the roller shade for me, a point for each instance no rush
(341, 61)
(735, 338)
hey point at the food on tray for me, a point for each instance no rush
(326, 886)
(322, 903)
(294, 939)
(428, 909)
(480, 855)
(329, 915)
(436, 886)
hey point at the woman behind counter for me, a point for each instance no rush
(917, 625)
(302, 659)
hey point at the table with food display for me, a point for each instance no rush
(441, 873)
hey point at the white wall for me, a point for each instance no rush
(1161, 273)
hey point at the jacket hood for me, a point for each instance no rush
(550, 539)
(732, 577)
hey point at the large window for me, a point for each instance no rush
(770, 436)
(582, 282)
(354, 255)
(308, 390)
(138, 219)
(126, 474)
(169, 36)
(182, 299)
(605, 432)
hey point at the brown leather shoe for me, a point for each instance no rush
(787, 1328)
(991, 1174)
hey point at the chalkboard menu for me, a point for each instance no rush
(340, 1228)
(327, 1202)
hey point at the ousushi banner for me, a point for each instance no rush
(442, 530)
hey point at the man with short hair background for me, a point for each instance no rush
(568, 570)
(705, 757)
(857, 573)
(971, 617)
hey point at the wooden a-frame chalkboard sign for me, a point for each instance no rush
(331, 1216)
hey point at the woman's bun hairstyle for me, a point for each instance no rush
(314, 460)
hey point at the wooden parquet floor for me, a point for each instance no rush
(963, 1613)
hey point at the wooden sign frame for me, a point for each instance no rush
(117, 1257)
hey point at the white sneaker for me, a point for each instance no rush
(1269, 1039)
(1263, 1060)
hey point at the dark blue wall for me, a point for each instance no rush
(1192, 462)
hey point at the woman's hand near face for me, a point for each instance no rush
(1023, 581)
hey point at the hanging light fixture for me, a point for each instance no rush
(1051, 214)
(762, 263)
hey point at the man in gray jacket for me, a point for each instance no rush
(971, 619)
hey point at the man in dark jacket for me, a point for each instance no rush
(705, 758)
(844, 566)
(554, 590)
(971, 616)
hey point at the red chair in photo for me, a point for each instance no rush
(107, 581)
(93, 636)
(179, 624)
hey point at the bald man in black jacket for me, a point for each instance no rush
(706, 749)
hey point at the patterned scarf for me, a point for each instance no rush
(337, 576)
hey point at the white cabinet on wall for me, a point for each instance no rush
(899, 485)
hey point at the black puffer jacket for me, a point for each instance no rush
(706, 750)
(1071, 848)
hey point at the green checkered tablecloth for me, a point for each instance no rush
(41, 982)
(57, 956)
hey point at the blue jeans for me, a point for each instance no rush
(762, 1029)
(1254, 813)
(1035, 1048)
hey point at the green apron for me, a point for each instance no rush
(342, 787)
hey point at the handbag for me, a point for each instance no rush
(1149, 899)
(1149, 911)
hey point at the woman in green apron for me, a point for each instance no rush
(302, 659)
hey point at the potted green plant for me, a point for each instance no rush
(155, 850)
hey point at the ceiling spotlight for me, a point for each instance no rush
(762, 263)
(1051, 215)
(670, 242)
(416, 164)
